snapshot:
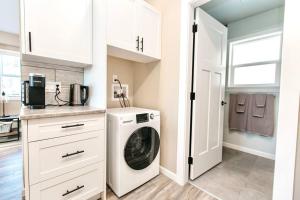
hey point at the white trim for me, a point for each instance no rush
(288, 108)
(249, 150)
(169, 174)
(187, 19)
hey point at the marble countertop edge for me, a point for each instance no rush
(55, 111)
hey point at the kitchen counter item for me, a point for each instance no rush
(9, 128)
(33, 91)
(56, 111)
(79, 95)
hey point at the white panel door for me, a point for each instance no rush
(209, 85)
(59, 29)
(148, 25)
(121, 31)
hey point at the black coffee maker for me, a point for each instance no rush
(33, 91)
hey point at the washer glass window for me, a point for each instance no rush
(142, 148)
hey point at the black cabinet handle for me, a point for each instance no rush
(71, 126)
(72, 154)
(142, 42)
(29, 38)
(138, 43)
(71, 191)
(223, 103)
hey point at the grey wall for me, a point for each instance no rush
(261, 23)
(272, 19)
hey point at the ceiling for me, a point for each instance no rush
(9, 16)
(227, 11)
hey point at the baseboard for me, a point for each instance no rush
(249, 150)
(169, 174)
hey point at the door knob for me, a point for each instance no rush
(223, 103)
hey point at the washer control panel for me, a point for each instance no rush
(142, 118)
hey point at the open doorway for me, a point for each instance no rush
(235, 95)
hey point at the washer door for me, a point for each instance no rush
(141, 148)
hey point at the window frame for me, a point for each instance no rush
(231, 67)
(9, 53)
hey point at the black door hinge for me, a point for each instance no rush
(195, 28)
(192, 96)
(190, 160)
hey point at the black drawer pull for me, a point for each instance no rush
(138, 43)
(71, 126)
(29, 40)
(72, 154)
(142, 42)
(71, 191)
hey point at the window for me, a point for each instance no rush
(10, 72)
(255, 61)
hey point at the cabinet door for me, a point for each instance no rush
(149, 29)
(121, 31)
(59, 29)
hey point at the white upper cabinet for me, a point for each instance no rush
(57, 30)
(121, 27)
(148, 29)
(133, 30)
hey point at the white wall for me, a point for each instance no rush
(9, 16)
(288, 105)
(252, 143)
(96, 75)
(160, 87)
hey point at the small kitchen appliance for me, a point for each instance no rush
(79, 94)
(33, 91)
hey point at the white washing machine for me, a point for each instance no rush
(132, 148)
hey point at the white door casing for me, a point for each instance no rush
(209, 87)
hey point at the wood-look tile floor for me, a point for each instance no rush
(11, 174)
(160, 188)
(240, 176)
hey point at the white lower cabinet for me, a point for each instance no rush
(77, 185)
(63, 160)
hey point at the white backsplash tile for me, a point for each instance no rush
(65, 75)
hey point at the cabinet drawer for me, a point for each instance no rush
(77, 185)
(54, 157)
(39, 129)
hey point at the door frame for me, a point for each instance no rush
(285, 157)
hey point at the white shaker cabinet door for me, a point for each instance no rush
(58, 29)
(121, 31)
(149, 29)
